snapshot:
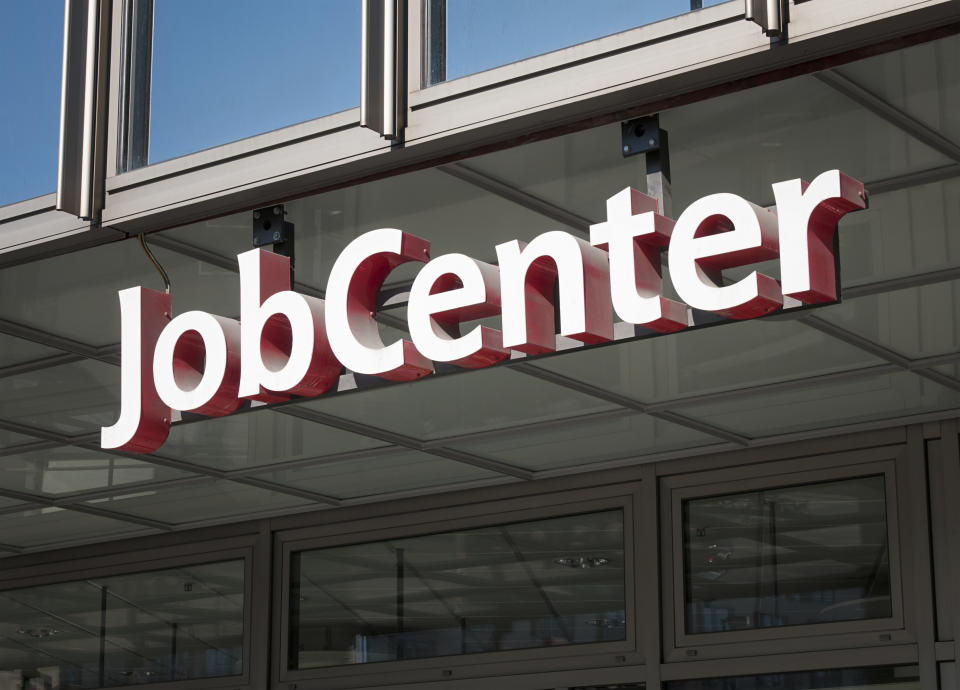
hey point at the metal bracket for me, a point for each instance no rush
(771, 15)
(643, 135)
(270, 228)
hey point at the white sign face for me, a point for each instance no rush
(287, 344)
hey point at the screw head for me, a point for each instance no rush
(652, 142)
(626, 149)
(256, 215)
(276, 210)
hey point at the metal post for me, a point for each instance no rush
(103, 637)
(643, 135)
(173, 651)
(400, 630)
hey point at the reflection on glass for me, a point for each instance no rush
(480, 34)
(815, 553)
(30, 64)
(160, 626)
(228, 69)
(531, 584)
(887, 677)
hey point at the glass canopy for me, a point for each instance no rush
(887, 353)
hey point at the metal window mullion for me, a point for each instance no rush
(72, 77)
(136, 62)
(389, 69)
(768, 14)
(382, 53)
(83, 108)
(89, 111)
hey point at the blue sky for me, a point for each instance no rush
(30, 63)
(227, 69)
(224, 70)
(487, 33)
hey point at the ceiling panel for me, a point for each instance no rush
(923, 81)
(202, 501)
(580, 443)
(904, 232)
(46, 527)
(886, 396)
(400, 470)
(755, 138)
(9, 439)
(915, 322)
(69, 399)
(66, 290)
(66, 469)
(432, 408)
(718, 358)
(17, 351)
(261, 437)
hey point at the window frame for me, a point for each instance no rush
(105, 560)
(896, 629)
(628, 652)
(455, 119)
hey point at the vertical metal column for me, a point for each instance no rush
(771, 15)
(383, 67)
(400, 588)
(293, 629)
(103, 637)
(173, 651)
(83, 108)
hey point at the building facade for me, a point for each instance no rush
(744, 494)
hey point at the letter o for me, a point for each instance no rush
(202, 351)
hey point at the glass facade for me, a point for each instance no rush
(885, 351)
(477, 35)
(544, 583)
(797, 555)
(764, 503)
(888, 677)
(225, 70)
(176, 624)
(31, 60)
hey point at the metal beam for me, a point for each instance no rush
(856, 340)
(40, 364)
(521, 198)
(888, 112)
(41, 337)
(913, 179)
(903, 282)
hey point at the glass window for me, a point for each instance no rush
(223, 70)
(181, 623)
(31, 57)
(542, 583)
(887, 677)
(814, 553)
(469, 36)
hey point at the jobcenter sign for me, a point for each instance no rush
(287, 344)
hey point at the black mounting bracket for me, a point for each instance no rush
(643, 135)
(270, 228)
